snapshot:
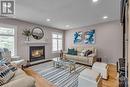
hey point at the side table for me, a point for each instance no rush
(99, 59)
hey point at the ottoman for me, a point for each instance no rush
(90, 78)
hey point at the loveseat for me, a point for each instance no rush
(88, 60)
(20, 79)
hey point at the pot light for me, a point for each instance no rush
(67, 26)
(48, 19)
(95, 1)
(105, 17)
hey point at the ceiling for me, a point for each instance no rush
(75, 13)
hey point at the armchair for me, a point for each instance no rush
(101, 68)
(5, 55)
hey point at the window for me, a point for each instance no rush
(56, 42)
(7, 39)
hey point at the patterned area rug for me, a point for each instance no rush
(59, 76)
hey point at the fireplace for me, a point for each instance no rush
(37, 53)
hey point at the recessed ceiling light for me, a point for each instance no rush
(67, 26)
(105, 17)
(48, 19)
(95, 1)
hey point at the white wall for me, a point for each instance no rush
(108, 40)
(22, 48)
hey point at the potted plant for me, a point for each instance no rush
(27, 33)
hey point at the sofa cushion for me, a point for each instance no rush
(18, 74)
(71, 57)
(80, 48)
(90, 48)
(13, 68)
(25, 81)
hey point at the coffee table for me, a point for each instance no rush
(58, 63)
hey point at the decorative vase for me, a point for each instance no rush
(61, 54)
(27, 38)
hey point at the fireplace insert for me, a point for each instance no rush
(37, 53)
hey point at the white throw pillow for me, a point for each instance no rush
(82, 52)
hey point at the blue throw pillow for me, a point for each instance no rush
(70, 51)
(74, 52)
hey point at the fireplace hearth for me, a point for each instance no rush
(37, 53)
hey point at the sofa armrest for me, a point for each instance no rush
(21, 82)
(92, 55)
(65, 52)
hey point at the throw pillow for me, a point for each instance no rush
(74, 52)
(88, 52)
(5, 74)
(70, 51)
(83, 52)
(13, 68)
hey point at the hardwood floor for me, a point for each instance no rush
(111, 82)
(40, 81)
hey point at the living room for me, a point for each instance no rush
(68, 43)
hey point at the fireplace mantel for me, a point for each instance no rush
(35, 42)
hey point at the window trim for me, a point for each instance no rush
(15, 35)
(57, 41)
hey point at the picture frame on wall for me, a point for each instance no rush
(89, 37)
(78, 37)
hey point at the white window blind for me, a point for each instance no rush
(57, 41)
(7, 36)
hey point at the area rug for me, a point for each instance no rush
(59, 76)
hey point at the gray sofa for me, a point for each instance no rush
(20, 79)
(89, 60)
